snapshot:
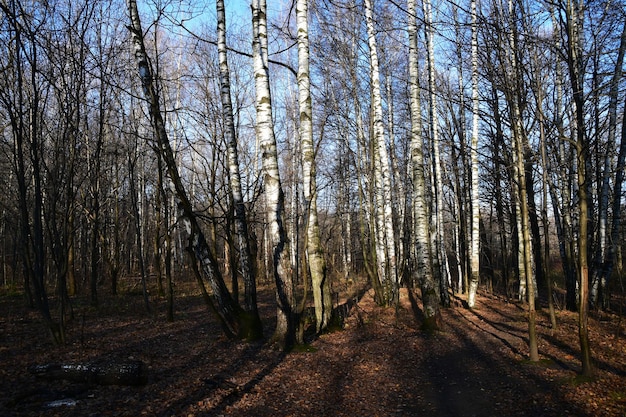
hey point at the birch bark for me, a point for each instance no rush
(255, 328)
(422, 249)
(475, 239)
(315, 256)
(385, 235)
(284, 335)
(439, 257)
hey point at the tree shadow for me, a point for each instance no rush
(569, 350)
(474, 380)
(418, 314)
(504, 341)
(237, 391)
(460, 301)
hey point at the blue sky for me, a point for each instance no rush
(241, 7)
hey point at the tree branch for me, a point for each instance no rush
(237, 51)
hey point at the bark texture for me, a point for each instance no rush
(475, 235)
(422, 249)
(384, 228)
(101, 373)
(254, 328)
(284, 335)
(315, 256)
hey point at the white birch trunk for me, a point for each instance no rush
(475, 239)
(422, 251)
(315, 256)
(385, 236)
(440, 258)
(284, 334)
(220, 299)
(241, 227)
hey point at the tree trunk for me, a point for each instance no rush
(526, 268)
(136, 197)
(475, 239)
(165, 253)
(254, 327)
(315, 256)
(544, 204)
(574, 22)
(526, 273)
(23, 115)
(226, 309)
(285, 332)
(439, 256)
(132, 373)
(423, 260)
(563, 185)
(385, 235)
(599, 296)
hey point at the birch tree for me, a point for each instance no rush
(384, 229)
(475, 236)
(241, 227)
(233, 321)
(422, 249)
(284, 335)
(315, 255)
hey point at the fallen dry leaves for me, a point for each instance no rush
(380, 364)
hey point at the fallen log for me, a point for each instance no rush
(101, 373)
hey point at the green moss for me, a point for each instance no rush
(617, 396)
(542, 363)
(577, 380)
(303, 348)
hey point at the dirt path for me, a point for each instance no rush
(381, 364)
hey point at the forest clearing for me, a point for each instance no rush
(380, 364)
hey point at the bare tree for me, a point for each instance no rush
(574, 19)
(422, 243)
(315, 255)
(284, 334)
(22, 96)
(233, 322)
(384, 228)
(241, 226)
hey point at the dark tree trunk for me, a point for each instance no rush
(234, 321)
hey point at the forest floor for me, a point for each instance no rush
(380, 364)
